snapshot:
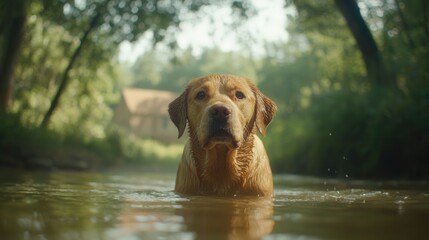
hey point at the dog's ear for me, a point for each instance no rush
(265, 110)
(177, 110)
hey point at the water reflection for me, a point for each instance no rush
(226, 218)
(54, 206)
(150, 213)
(143, 206)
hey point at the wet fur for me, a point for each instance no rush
(237, 168)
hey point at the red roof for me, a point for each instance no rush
(147, 101)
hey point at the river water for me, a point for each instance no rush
(74, 205)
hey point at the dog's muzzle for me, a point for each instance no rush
(219, 122)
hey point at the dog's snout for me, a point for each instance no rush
(220, 111)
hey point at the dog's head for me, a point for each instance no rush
(221, 109)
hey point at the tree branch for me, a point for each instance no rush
(65, 78)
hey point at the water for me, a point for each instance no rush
(70, 205)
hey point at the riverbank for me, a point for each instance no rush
(74, 159)
(36, 148)
(42, 159)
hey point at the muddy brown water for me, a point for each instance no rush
(72, 205)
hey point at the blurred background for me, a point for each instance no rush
(85, 84)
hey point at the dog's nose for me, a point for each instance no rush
(220, 111)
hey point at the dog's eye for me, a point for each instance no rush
(200, 95)
(239, 95)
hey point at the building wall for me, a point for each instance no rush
(157, 127)
(122, 115)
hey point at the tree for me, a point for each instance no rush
(65, 78)
(320, 16)
(360, 130)
(364, 39)
(12, 21)
(115, 21)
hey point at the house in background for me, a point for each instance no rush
(144, 112)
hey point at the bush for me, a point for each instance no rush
(379, 134)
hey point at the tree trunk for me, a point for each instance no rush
(12, 23)
(363, 37)
(65, 78)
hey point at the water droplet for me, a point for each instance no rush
(330, 134)
(347, 176)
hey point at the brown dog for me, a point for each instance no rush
(223, 156)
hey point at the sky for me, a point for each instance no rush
(269, 24)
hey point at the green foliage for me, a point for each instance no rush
(376, 134)
(153, 152)
(334, 122)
